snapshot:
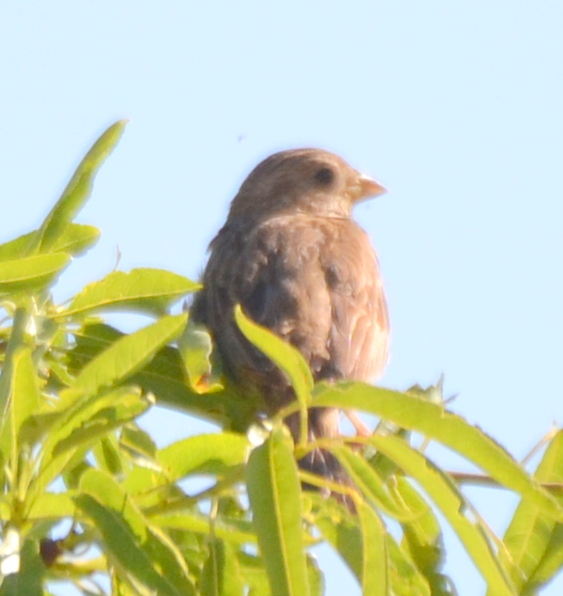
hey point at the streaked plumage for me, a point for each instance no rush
(291, 255)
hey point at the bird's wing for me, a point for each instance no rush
(359, 335)
(315, 284)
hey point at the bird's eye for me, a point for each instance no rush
(324, 176)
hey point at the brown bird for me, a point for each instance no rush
(291, 255)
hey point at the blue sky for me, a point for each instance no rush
(455, 106)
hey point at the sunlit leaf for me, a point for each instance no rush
(288, 358)
(452, 504)
(204, 454)
(76, 192)
(31, 273)
(274, 492)
(375, 571)
(140, 549)
(28, 581)
(128, 354)
(412, 412)
(196, 347)
(534, 541)
(145, 290)
(221, 572)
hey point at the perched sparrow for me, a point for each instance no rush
(291, 255)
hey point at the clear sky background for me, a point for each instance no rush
(457, 107)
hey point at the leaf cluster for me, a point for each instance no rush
(89, 498)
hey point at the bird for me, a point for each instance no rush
(298, 264)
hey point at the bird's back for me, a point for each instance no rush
(313, 281)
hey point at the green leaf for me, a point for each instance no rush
(368, 481)
(165, 377)
(31, 273)
(140, 549)
(29, 580)
(452, 504)
(144, 290)
(196, 347)
(52, 506)
(232, 530)
(128, 354)
(15, 344)
(414, 413)
(283, 354)
(24, 399)
(274, 492)
(255, 577)
(550, 564)
(375, 561)
(81, 425)
(74, 240)
(404, 577)
(286, 357)
(139, 445)
(108, 456)
(341, 530)
(220, 575)
(76, 193)
(204, 454)
(534, 541)
(422, 537)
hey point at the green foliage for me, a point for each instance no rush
(72, 389)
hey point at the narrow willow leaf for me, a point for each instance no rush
(82, 426)
(138, 444)
(404, 577)
(274, 492)
(452, 504)
(368, 481)
(255, 576)
(196, 347)
(26, 397)
(550, 564)
(375, 573)
(144, 290)
(316, 577)
(284, 355)
(28, 581)
(128, 354)
(422, 537)
(220, 575)
(53, 506)
(140, 549)
(77, 191)
(31, 273)
(23, 401)
(531, 538)
(74, 240)
(232, 530)
(413, 413)
(15, 248)
(341, 530)
(15, 344)
(204, 454)
(108, 456)
(165, 377)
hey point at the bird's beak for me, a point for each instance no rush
(365, 187)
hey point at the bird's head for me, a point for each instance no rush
(308, 181)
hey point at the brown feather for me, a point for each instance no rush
(292, 257)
